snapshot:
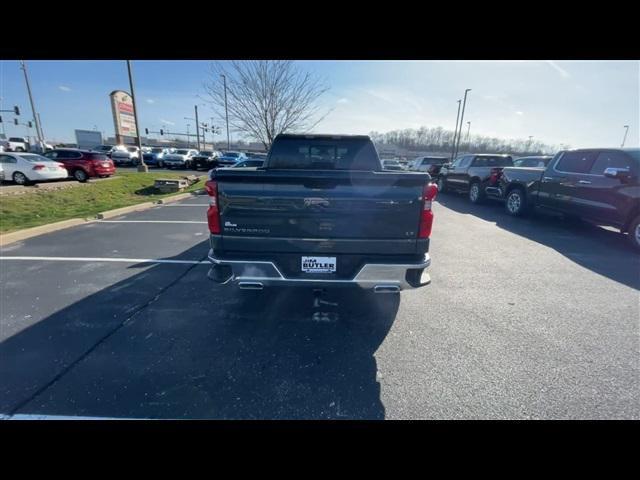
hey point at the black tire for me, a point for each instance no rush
(187, 165)
(476, 194)
(80, 175)
(160, 164)
(19, 149)
(169, 167)
(442, 185)
(634, 233)
(516, 202)
(20, 178)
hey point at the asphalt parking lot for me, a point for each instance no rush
(525, 318)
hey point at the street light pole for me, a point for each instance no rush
(468, 129)
(188, 137)
(464, 104)
(625, 135)
(455, 132)
(142, 167)
(33, 108)
(197, 127)
(226, 110)
(204, 136)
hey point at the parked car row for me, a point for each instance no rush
(187, 158)
(599, 185)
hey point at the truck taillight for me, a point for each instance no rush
(426, 215)
(213, 214)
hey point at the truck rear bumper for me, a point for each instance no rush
(382, 278)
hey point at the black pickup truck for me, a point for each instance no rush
(321, 212)
(600, 185)
(475, 174)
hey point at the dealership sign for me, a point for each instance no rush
(123, 117)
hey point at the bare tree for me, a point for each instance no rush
(266, 98)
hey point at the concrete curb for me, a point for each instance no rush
(175, 198)
(7, 238)
(120, 211)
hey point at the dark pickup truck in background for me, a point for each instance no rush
(597, 185)
(320, 213)
(475, 174)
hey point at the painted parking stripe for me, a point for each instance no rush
(186, 205)
(59, 417)
(149, 221)
(101, 259)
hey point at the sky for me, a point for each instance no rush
(574, 103)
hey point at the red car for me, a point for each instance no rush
(83, 164)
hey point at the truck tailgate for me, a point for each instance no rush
(319, 210)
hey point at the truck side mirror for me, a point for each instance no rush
(617, 172)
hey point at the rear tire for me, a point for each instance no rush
(80, 175)
(20, 178)
(634, 233)
(516, 203)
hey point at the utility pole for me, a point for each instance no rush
(42, 131)
(226, 110)
(464, 104)
(188, 137)
(33, 108)
(455, 133)
(142, 167)
(197, 127)
(625, 135)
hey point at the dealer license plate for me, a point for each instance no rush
(318, 264)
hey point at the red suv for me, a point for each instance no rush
(82, 164)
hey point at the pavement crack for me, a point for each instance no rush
(100, 341)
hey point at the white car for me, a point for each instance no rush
(181, 158)
(125, 156)
(26, 168)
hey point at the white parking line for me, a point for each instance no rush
(149, 221)
(101, 259)
(20, 416)
(186, 205)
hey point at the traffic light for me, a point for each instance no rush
(161, 132)
(30, 124)
(0, 119)
(15, 120)
(16, 110)
(146, 130)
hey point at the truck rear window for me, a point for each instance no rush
(324, 154)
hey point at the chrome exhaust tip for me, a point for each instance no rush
(386, 289)
(250, 285)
